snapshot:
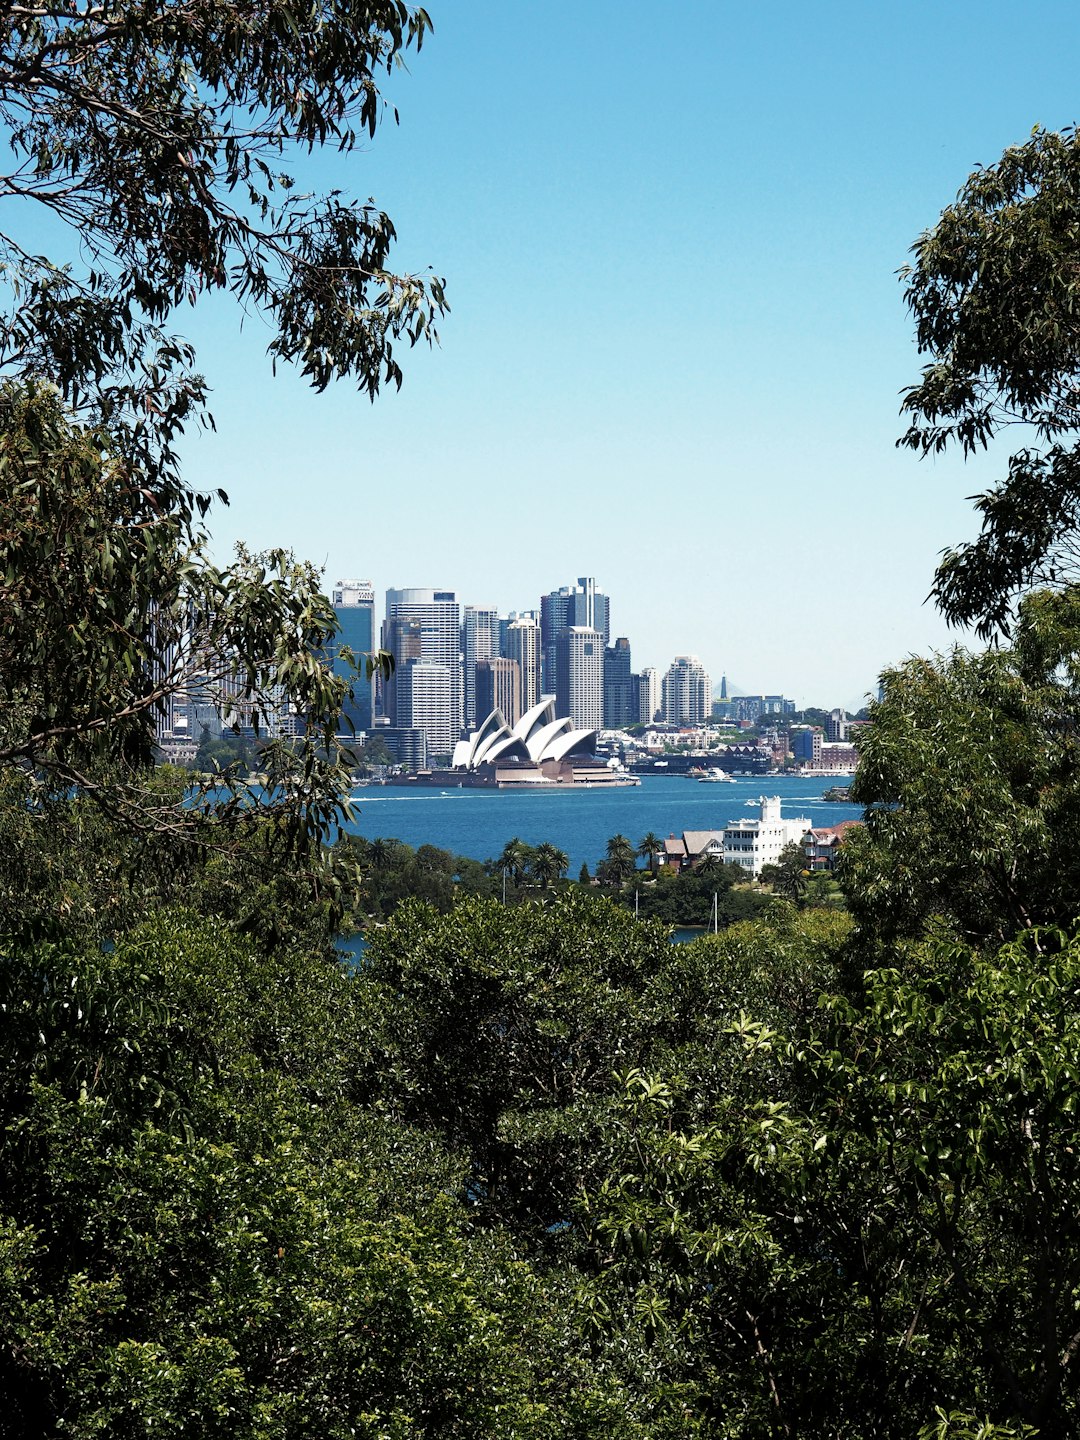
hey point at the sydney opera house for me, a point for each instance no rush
(539, 750)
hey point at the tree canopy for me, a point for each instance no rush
(171, 141)
(994, 292)
(167, 147)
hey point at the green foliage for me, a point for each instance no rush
(857, 1219)
(114, 608)
(171, 143)
(993, 290)
(686, 897)
(200, 1232)
(788, 877)
(501, 1026)
(390, 872)
(971, 773)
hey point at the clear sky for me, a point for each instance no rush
(670, 236)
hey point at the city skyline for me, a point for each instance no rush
(677, 340)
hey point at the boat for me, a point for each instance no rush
(715, 776)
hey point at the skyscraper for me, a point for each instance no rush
(582, 605)
(648, 696)
(422, 630)
(354, 605)
(479, 641)
(686, 693)
(523, 645)
(579, 676)
(498, 687)
(619, 699)
(555, 616)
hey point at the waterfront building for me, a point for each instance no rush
(354, 606)
(620, 707)
(806, 745)
(422, 630)
(841, 758)
(821, 846)
(579, 676)
(750, 844)
(540, 750)
(522, 644)
(498, 687)
(686, 694)
(479, 642)
(424, 692)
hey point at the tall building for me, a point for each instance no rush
(579, 676)
(423, 691)
(649, 696)
(582, 605)
(479, 641)
(836, 726)
(522, 643)
(686, 694)
(620, 708)
(555, 615)
(498, 687)
(354, 605)
(422, 630)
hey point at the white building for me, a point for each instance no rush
(751, 844)
(579, 676)
(523, 645)
(479, 642)
(687, 695)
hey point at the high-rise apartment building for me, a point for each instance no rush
(686, 694)
(579, 676)
(422, 630)
(479, 642)
(354, 605)
(620, 708)
(522, 644)
(649, 696)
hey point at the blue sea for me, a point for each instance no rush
(478, 823)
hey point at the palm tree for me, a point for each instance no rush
(515, 859)
(549, 864)
(649, 847)
(791, 877)
(619, 863)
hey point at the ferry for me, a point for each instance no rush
(716, 776)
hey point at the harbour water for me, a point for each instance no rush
(478, 823)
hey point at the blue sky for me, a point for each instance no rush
(670, 236)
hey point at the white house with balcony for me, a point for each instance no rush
(750, 844)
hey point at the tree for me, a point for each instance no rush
(199, 1226)
(111, 613)
(788, 875)
(649, 847)
(165, 139)
(970, 773)
(515, 859)
(618, 863)
(994, 292)
(549, 864)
